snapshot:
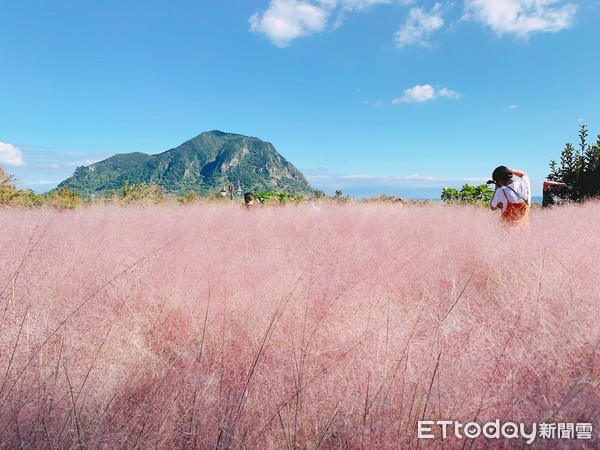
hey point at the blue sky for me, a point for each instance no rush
(368, 96)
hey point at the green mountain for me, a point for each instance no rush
(203, 164)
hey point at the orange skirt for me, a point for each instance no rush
(516, 214)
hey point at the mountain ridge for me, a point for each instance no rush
(203, 164)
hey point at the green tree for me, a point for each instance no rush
(580, 170)
(474, 195)
(10, 195)
(8, 190)
(319, 194)
(340, 197)
(63, 198)
(450, 195)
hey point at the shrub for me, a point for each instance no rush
(384, 198)
(61, 198)
(276, 198)
(474, 195)
(8, 190)
(141, 191)
(189, 197)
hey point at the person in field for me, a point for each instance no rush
(512, 195)
(249, 200)
(554, 193)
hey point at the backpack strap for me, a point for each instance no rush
(516, 193)
(506, 197)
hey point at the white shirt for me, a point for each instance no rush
(516, 192)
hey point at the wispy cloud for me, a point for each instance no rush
(522, 17)
(41, 183)
(66, 164)
(326, 179)
(10, 155)
(419, 26)
(448, 93)
(376, 103)
(409, 186)
(424, 93)
(351, 5)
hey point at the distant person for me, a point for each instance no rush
(313, 205)
(512, 195)
(248, 200)
(554, 193)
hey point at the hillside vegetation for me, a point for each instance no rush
(202, 165)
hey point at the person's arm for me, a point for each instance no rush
(518, 173)
(548, 183)
(525, 179)
(495, 205)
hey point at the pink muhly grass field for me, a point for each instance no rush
(209, 326)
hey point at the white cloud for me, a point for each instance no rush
(10, 155)
(513, 106)
(286, 20)
(417, 94)
(424, 93)
(449, 93)
(419, 26)
(522, 17)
